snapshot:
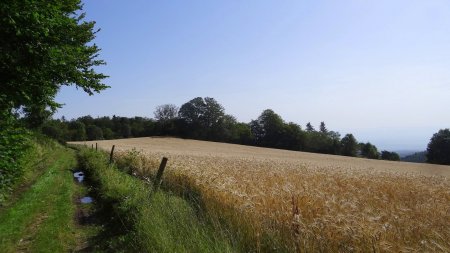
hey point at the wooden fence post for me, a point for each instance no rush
(111, 155)
(162, 166)
(96, 146)
(92, 146)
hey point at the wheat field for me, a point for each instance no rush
(278, 200)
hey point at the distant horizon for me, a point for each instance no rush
(378, 70)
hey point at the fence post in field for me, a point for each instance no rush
(162, 166)
(96, 146)
(92, 146)
(111, 155)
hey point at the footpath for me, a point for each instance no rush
(53, 213)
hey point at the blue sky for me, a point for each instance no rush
(377, 69)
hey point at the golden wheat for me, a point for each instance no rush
(307, 202)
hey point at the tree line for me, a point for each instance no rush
(205, 119)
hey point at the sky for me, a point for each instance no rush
(377, 69)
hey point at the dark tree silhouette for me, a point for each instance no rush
(438, 150)
(309, 127)
(349, 145)
(323, 128)
(392, 156)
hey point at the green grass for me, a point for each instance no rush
(149, 221)
(41, 219)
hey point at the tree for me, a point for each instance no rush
(369, 151)
(56, 129)
(201, 116)
(309, 127)
(166, 116)
(391, 156)
(108, 134)
(77, 131)
(438, 150)
(349, 145)
(166, 112)
(268, 129)
(323, 128)
(35, 116)
(94, 132)
(45, 45)
(293, 137)
(125, 130)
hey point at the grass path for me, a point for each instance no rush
(42, 218)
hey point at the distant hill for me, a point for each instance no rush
(407, 152)
(418, 157)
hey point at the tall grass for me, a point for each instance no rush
(150, 221)
(276, 205)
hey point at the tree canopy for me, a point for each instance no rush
(166, 112)
(205, 119)
(349, 145)
(201, 116)
(438, 150)
(45, 45)
(391, 156)
(368, 150)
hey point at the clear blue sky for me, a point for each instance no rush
(377, 69)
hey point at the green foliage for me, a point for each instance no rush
(205, 119)
(35, 116)
(268, 129)
(369, 151)
(56, 129)
(77, 131)
(438, 150)
(202, 116)
(45, 45)
(392, 156)
(349, 145)
(14, 146)
(94, 132)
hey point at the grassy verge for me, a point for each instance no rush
(146, 221)
(34, 159)
(41, 219)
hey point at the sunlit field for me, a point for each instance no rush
(296, 201)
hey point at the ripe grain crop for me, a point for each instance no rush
(302, 202)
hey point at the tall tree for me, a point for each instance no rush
(45, 45)
(349, 145)
(323, 128)
(268, 128)
(309, 127)
(438, 150)
(202, 116)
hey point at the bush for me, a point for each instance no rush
(14, 145)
